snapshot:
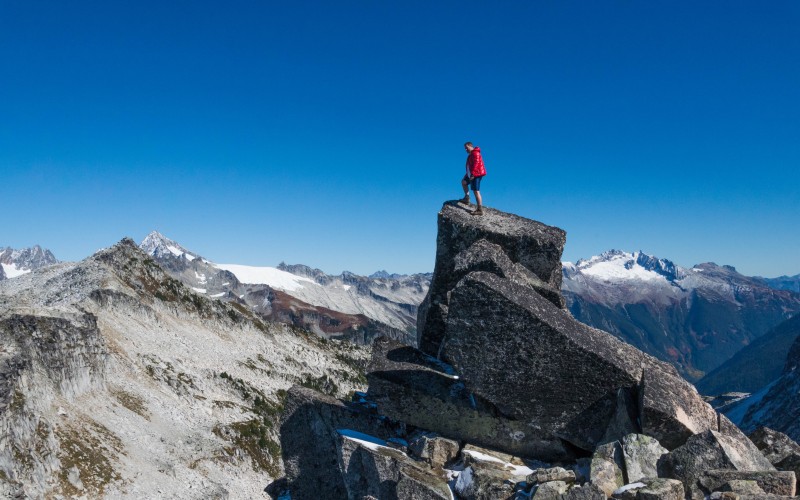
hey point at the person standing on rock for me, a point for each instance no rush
(475, 172)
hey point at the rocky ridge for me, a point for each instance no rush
(514, 397)
(117, 381)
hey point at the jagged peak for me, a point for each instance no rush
(158, 245)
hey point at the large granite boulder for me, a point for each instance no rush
(410, 386)
(533, 245)
(641, 454)
(310, 440)
(370, 468)
(711, 450)
(538, 365)
(778, 448)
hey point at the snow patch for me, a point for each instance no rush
(517, 470)
(12, 271)
(632, 486)
(267, 276)
(199, 290)
(364, 440)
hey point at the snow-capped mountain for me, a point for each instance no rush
(14, 263)
(341, 306)
(695, 318)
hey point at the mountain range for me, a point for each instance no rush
(117, 380)
(701, 319)
(345, 306)
(696, 318)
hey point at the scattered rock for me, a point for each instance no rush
(416, 485)
(588, 491)
(477, 483)
(711, 450)
(771, 482)
(434, 449)
(661, 489)
(552, 474)
(742, 487)
(606, 468)
(551, 490)
(641, 454)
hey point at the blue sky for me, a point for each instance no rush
(329, 133)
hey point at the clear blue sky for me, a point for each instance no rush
(329, 133)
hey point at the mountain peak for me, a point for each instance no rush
(16, 262)
(158, 245)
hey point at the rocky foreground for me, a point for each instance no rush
(508, 396)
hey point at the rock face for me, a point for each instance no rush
(491, 315)
(534, 246)
(336, 450)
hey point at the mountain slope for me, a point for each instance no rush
(776, 405)
(346, 306)
(756, 365)
(116, 380)
(695, 318)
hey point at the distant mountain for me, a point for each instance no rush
(345, 306)
(695, 318)
(14, 263)
(755, 365)
(791, 283)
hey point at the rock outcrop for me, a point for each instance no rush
(535, 247)
(501, 364)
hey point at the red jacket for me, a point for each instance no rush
(475, 164)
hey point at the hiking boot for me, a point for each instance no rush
(464, 200)
(478, 211)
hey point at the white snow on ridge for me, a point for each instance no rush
(177, 252)
(11, 270)
(270, 276)
(614, 268)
